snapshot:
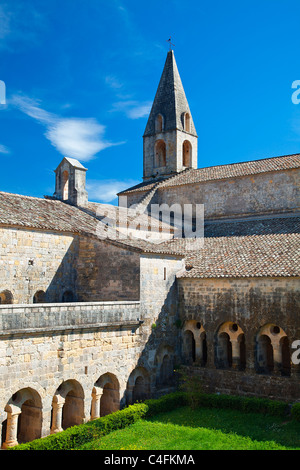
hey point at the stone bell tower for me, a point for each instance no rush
(70, 182)
(170, 138)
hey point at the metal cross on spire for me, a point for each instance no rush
(170, 44)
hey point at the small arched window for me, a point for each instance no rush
(65, 185)
(159, 123)
(6, 297)
(160, 154)
(186, 122)
(68, 296)
(39, 297)
(186, 154)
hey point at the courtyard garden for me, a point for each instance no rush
(179, 421)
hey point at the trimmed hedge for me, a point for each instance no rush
(295, 411)
(75, 436)
(244, 404)
(165, 403)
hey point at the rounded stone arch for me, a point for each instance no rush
(160, 154)
(186, 121)
(39, 297)
(194, 343)
(67, 406)
(187, 154)
(65, 185)
(24, 418)
(68, 296)
(230, 347)
(105, 395)
(6, 297)
(138, 385)
(164, 363)
(272, 350)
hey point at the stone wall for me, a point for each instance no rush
(264, 193)
(65, 363)
(55, 263)
(34, 260)
(250, 304)
(43, 346)
(106, 272)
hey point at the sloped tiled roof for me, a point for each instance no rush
(257, 226)
(54, 215)
(269, 255)
(219, 172)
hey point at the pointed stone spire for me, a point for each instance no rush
(170, 138)
(170, 100)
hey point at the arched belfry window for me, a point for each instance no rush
(160, 154)
(186, 122)
(159, 123)
(65, 185)
(186, 154)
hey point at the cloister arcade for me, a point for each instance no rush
(270, 347)
(24, 410)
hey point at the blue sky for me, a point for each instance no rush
(81, 76)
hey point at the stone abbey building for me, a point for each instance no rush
(91, 321)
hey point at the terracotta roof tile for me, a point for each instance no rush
(232, 170)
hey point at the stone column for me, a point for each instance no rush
(277, 357)
(57, 407)
(95, 408)
(13, 413)
(235, 353)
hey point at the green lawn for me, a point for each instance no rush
(204, 429)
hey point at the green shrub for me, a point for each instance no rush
(165, 403)
(295, 411)
(244, 404)
(75, 436)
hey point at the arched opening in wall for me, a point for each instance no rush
(110, 396)
(186, 122)
(265, 356)
(68, 296)
(160, 154)
(159, 123)
(272, 350)
(186, 154)
(138, 386)
(24, 418)
(139, 390)
(65, 185)
(224, 351)
(73, 409)
(204, 349)
(39, 297)
(189, 347)
(6, 297)
(230, 350)
(194, 344)
(166, 371)
(242, 360)
(286, 356)
(67, 406)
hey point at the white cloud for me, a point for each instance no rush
(73, 137)
(133, 109)
(113, 82)
(4, 149)
(107, 190)
(19, 23)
